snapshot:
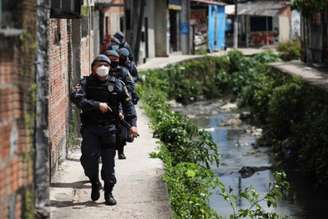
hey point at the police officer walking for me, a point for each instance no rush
(99, 96)
(123, 44)
(124, 75)
(129, 65)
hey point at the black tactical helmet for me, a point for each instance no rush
(111, 53)
(120, 36)
(115, 40)
(124, 52)
(101, 58)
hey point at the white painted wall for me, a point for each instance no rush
(284, 28)
(295, 25)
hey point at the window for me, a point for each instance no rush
(57, 35)
(8, 14)
(261, 24)
(65, 8)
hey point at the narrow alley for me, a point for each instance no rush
(76, 69)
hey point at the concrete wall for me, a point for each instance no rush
(150, 15)
(161, 27)
(114, 15)
(284, 29)
(185, 20)
(295, 25)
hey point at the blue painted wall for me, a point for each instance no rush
(216, 27)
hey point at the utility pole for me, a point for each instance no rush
(235, 27)
(135, 8)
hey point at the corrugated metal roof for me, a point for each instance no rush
(262, 8)
(210, 2)
(103, 1)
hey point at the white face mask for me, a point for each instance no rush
(102, 71)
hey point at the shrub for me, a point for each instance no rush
(290, 50)
(187, 152)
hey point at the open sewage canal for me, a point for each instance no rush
(243, 163)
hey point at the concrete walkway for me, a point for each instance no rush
(315, 76)
(140, 192)
(161, 62)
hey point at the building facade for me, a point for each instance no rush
(44, 51)
(263, 23)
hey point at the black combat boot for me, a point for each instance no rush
(120, 152)
(121, 156)
(109, 198)
(96, 186)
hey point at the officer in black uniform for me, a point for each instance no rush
(99, 96)
(123, 44)
(124, 75)
(121, 72)
(130, 66)
(114, 44)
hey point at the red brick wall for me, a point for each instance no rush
(59, 52)
(16, 115)
(58, 89)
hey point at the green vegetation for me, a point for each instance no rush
(28, 204)
(187, 152)
(290, 50)
(292, 112)
(310, 7)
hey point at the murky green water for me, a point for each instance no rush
(238, 149)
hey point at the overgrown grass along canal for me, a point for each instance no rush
(186, 151)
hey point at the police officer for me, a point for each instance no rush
(124, 75)
(99, 96)
(123, 44)
(114, 44)
(125, 62)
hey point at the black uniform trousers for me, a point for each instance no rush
(99, 141)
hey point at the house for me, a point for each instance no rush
(158, 28)
(208, 24)
(263, 23)
(111, 19)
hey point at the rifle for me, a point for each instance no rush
(120, 119)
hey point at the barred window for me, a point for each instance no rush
(8, 14)
(65, 8)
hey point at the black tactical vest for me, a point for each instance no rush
(102, 91)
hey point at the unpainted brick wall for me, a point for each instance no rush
(58, 89)
(16, 114)
(60, 42)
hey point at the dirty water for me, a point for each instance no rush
(242, 162)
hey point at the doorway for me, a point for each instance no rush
(174, 19)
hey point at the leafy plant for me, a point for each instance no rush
(310, 7)
(290, 50)
(249, 194)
